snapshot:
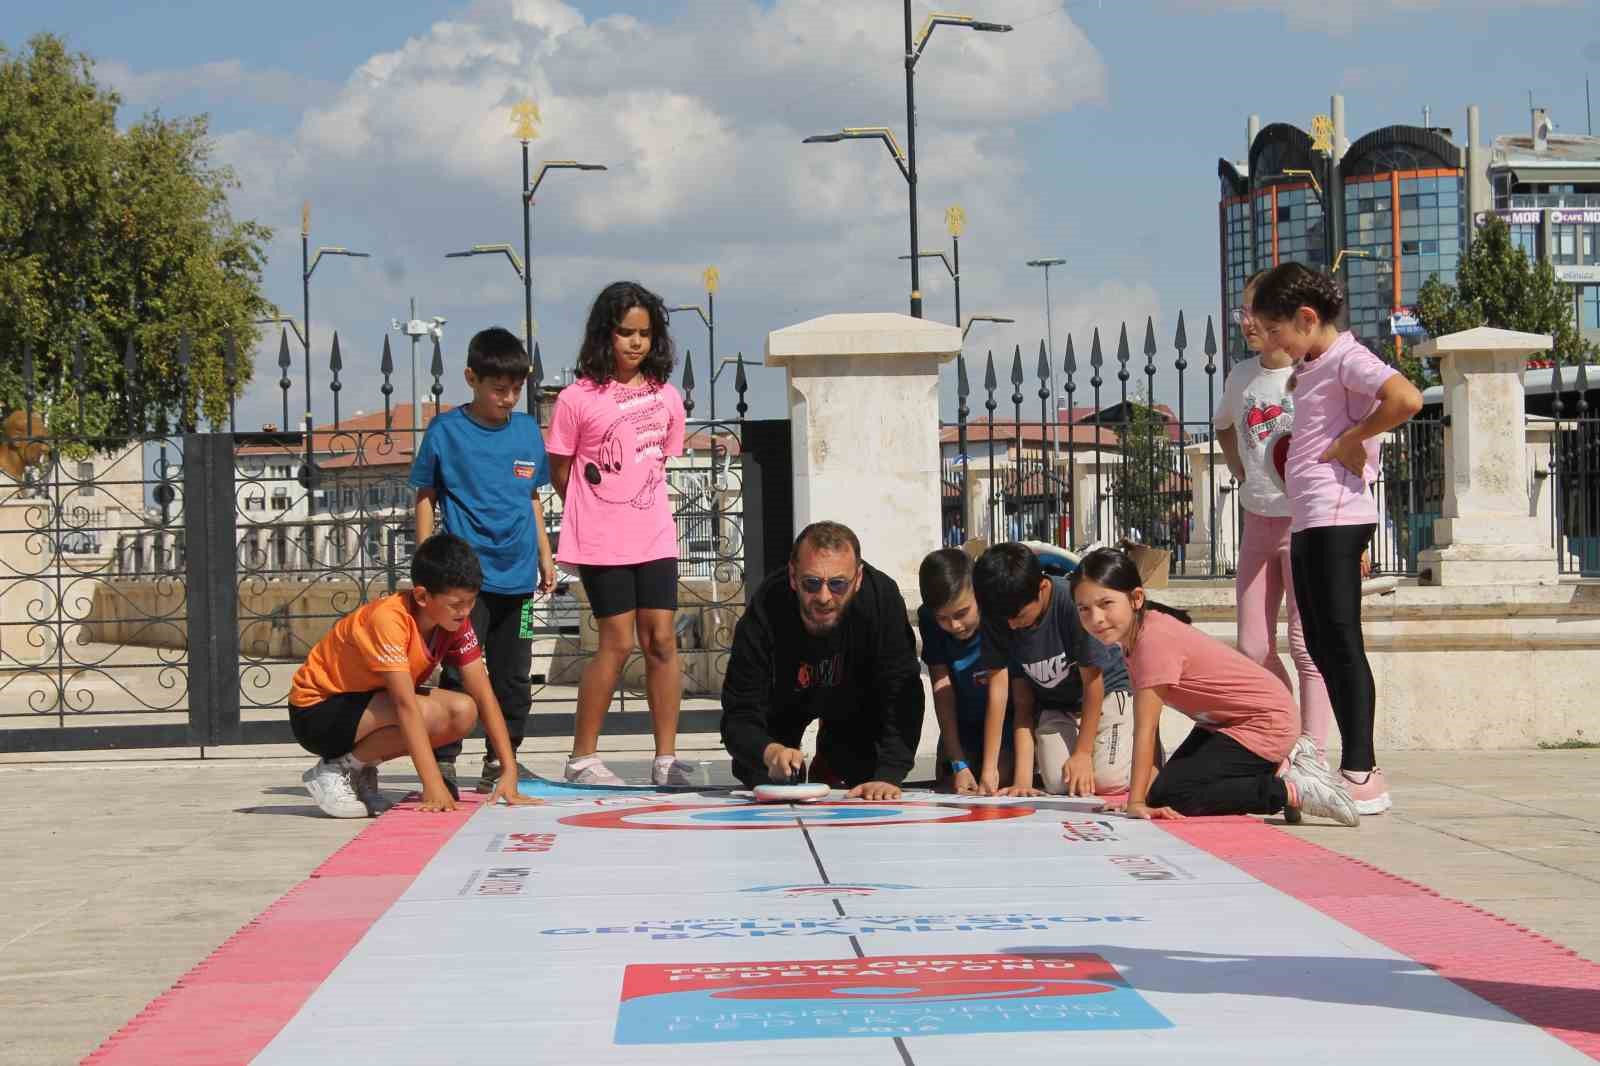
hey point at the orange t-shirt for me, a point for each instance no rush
(378, 638)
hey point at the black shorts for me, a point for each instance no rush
(329, 728)
(614, 590)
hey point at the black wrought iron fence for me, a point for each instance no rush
(159, 588)
(1120, 445)
(1573, 470)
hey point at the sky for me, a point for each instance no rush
(1091, 132)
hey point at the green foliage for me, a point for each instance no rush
(1143, 483)
(108, 236)
(1497, 285)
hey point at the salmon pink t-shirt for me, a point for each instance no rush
(1332, 393)
(617, 511)
(1215, 685)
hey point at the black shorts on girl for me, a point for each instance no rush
(614, 590)
(329, 728)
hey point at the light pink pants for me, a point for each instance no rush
(1264, 581)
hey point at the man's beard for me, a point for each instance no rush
(821, 626)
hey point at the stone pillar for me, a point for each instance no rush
(864, 418)
(1489, 534)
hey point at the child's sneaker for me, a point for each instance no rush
(670, 770)
(1369, 791)
(589, 770)
(1318, 798)
(489, 779)
(365, 781)
(330, 786)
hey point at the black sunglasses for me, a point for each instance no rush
(836, 585)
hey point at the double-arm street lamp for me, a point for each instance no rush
(708, 314)
(907, 160)
(308, 266)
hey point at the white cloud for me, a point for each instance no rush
(699, 120)
(225, 76)
(1340, 17)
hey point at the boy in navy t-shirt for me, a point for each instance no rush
(977, 734)
(477, 473)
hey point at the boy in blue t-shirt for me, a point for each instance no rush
(477, 473)
(971, 701)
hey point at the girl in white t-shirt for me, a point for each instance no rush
(1256, 414)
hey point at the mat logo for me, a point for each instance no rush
(857, 889)
(497, 882)
(1088, 831)
(1147, 868)
(893, 996)
(521, 843)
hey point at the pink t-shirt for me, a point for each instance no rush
(1215, 685)
(1333, 392)
(617, 511)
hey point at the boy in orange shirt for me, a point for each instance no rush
(355, 702)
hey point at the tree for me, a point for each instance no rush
(112, 236)
(1143, 481)
(1497, 285)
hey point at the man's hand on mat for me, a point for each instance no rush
(1078, 773)
(874, 790)
(1144, 811)
(507, 790)
(783, 764)
(964, 783)
(436, 800)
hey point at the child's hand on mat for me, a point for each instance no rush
(507, 790)
(874, 790)
(1349, 452)
(1019, 790)
(1147, 812)
(436, 799)
(989, 783)
(1078, 773)
(964, 783)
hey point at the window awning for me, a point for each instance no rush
(1526, 175)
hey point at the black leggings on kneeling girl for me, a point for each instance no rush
(1211, 773)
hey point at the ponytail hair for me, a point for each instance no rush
(1286, 288)
(1115, 569)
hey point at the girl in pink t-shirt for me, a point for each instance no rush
(1256, 412)
(1345, 398)
(611, 434)
(1246, 722)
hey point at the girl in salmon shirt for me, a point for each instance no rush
(1246, 728)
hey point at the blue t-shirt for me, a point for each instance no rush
(484, 478)
(967, 674)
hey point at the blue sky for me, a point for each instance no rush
(1090, 133)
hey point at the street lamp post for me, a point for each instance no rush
(712, 278)
(308, 266)
(907, 161)
(415, 328)
(1050, 333)
(954, 219)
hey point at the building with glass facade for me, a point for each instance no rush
(1396, 202)
(1547, 189)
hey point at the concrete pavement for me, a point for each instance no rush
(123, 871)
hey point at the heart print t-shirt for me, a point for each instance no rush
(1257, 404)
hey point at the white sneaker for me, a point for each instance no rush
(333, 790)
(1322, 799)
(1307, 757)
(670, 770)
(365, 781)
(589, 770)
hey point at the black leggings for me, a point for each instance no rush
(1327, 587)
(1211, 773)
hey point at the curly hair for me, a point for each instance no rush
(1286, 288)
(596, 359)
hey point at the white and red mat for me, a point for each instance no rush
(644, 928)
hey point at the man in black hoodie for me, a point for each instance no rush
(827, 637)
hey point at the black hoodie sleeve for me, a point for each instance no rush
(897, 682)
(747, 686)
